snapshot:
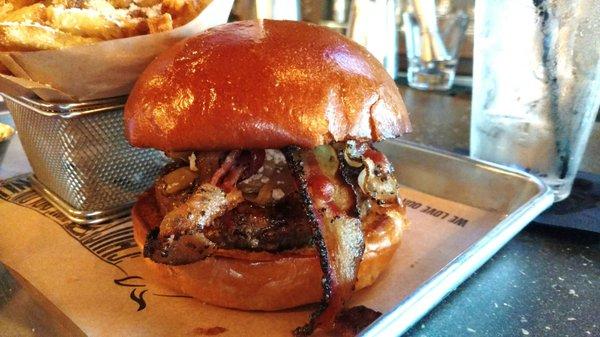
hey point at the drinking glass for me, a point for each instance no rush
(266, 9)
(433, 42)
(536, 85)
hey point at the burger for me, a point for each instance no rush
(274, 196)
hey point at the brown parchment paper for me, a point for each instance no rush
(100, 70)
(96, 276)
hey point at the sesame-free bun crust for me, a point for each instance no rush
(257, 280)
(263, 84)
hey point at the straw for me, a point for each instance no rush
(432, 45)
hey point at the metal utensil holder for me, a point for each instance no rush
(80, 158)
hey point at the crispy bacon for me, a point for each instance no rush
(225, 167)
(353, 320)
(180, 238)
(338, 237)
(338, 231)
(238, 165)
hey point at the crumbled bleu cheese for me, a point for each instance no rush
(275, 155)
(192, 159)
(277, 194)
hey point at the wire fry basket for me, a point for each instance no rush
(80, 158)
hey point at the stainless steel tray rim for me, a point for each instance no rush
(437, 287)
(479, 163)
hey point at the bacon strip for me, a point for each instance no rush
(338, 237)
(180, 238)
(353, 320)
(225, 167)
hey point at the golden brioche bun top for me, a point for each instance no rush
(263, 84)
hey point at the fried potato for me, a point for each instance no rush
(159, 24)
(29, 37)
(102, 6)
(16, 4)
(5, 8)
(146, 3)
(121, 3)
(135, 27)
(83, 22)
(181, 10)
(34, 13)
(184, 11)
(49, 24)
(174, 5)
(66, 3)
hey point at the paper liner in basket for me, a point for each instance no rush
(101, 70)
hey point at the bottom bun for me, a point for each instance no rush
(257, 280)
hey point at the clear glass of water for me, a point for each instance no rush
(433, 45)
(536, 85)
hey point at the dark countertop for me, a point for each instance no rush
(542, 283)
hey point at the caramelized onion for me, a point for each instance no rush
(377, 182)
(352, 154)
(178, 180)
(264, 196)
(180, 238)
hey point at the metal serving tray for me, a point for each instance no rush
(517, 195)
(506, 199)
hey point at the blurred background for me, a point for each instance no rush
(336, 15)
(443, 123)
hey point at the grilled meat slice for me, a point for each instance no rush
(272, 228)
(180, 239)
